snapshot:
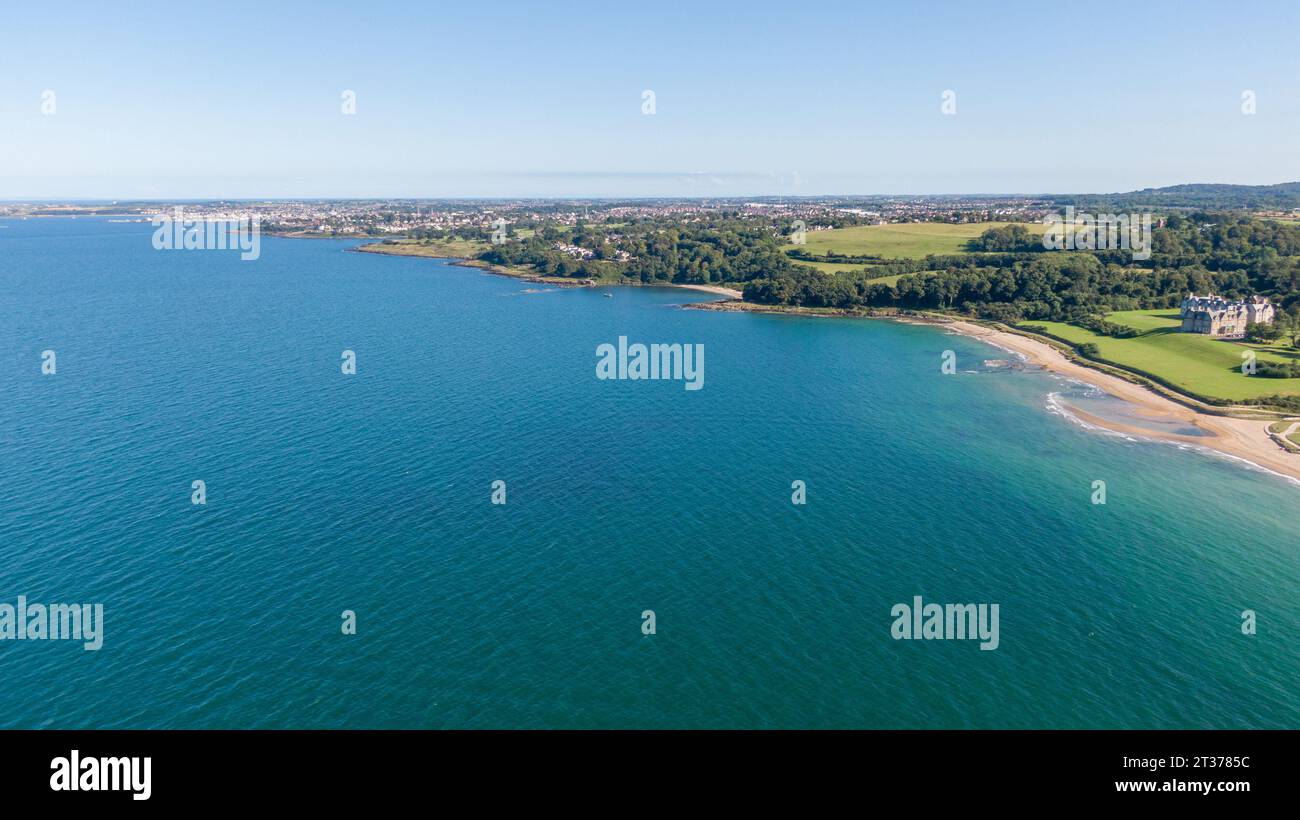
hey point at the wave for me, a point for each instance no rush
(1056, 406)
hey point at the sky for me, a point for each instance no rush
(503, 99)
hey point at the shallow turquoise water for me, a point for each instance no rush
(371, 492)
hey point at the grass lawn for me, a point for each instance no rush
(1191, 361)
(832, 267)
(440, 248)
(911, 240)
(1281, 427)
(887, 280)
(847, 267)
(1146, 320)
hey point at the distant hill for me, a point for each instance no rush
(1282, 196)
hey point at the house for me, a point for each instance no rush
(1223, 318)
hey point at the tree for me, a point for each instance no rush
(1262, 333)
(1288, 325)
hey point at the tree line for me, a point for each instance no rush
(1231, 255)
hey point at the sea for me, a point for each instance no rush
(649, 567)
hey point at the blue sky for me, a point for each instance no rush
(506, 99)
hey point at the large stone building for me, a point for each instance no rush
(1225, 319)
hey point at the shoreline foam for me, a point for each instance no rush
(1241, 439)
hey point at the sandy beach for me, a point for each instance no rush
(1245, 439)
(1240, 438)
(718, 289)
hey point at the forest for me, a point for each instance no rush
(1228, 254)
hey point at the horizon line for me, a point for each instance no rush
(87, 200)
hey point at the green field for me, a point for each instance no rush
(910, 240)
(849, 267)
(439, 248)
(1290, 440)
(833, 267)
(887, 280)
(1192, 362)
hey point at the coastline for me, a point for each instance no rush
(1245, 439)
(559, 281)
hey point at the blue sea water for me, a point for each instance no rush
(371, 492)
